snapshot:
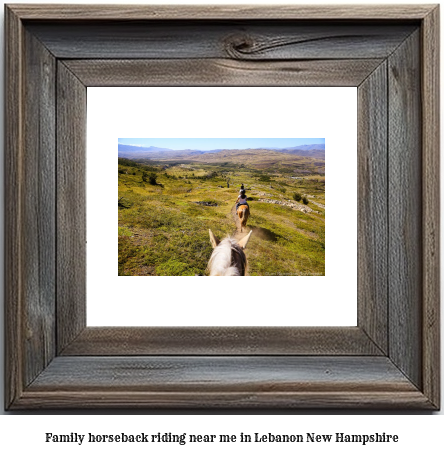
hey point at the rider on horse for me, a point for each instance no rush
(241, 199)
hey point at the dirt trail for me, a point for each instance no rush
(261, 233)
(237, 233)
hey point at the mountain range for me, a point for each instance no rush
(134, 152)
(132, 148)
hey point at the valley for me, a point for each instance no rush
(169, 201)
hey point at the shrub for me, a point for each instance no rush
(127, 162)
(124, 204)
(297, 196)
(151, 178)
(305, 200)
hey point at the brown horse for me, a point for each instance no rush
(228, 257)
(243, 212)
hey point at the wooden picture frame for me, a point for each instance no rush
(390, 360)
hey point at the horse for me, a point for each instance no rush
(243, 212)
(228, 257)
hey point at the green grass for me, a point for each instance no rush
(124, 231)
(163, 231)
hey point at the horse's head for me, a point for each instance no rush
(228, 257)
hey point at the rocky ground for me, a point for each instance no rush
(293, 204)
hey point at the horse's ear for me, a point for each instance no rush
(213, 239)
(244, 241)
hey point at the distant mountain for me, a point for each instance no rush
(134, 152)
(130, 148)
(306, 150)
(302, 147)
(308, 147)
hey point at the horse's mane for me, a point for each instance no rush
(228, 259)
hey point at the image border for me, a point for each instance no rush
(53, 360)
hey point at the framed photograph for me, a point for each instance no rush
(62, 59)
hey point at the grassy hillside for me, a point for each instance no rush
(166, 209)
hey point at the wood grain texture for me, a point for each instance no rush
(405, 209)
(431, 205)
(30, 226)
(265, 46)
(258, 40)
(71, 206)
(247, 401)
(127, 341)
(38, 212)
(221, 72)
(372, 207)
(209, 373)
(233, 382)
(13, 207)
(220, 12)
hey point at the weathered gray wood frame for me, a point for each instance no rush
(390, 360)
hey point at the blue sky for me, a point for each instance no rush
(219, 143)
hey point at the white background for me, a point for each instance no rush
(418, 433)
(216, 112)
